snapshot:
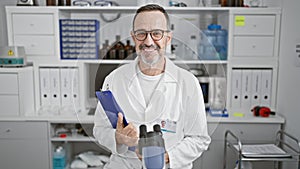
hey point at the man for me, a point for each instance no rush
(152, 90)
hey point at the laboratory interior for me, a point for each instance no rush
(55, 55)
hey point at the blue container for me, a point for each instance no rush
(213, 45)
(59, 158)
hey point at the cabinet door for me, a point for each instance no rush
(9, 105)
(24, 145)
(36, 45)
(9, 84)
(253, 46)
(256, 25)
(33, 24)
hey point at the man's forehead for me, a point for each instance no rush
(153, 18)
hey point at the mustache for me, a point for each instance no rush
(143, 46)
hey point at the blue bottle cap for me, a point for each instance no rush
(214, 27)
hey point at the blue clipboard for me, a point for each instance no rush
(110, 107)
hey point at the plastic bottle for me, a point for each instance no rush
(59, 158)
(213, 45)
(221, 43)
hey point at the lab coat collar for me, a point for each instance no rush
(134, 85)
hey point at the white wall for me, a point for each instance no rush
(289, 75)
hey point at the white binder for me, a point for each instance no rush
(55, 88)
(65, 85)
(266, 87)
(256, 87)
(45, 87)
(246, 89)
(75, 89)
(236, 87)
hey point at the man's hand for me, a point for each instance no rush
(126, 135)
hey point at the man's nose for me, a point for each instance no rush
(148, 41)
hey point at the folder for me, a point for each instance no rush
(246, 89)
(65, 86)
(236, 87)
(55, 88)
(266, 87)
(45, 87)
(256, 87)
(75, 93)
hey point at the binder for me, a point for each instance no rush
(75, 95)
(44, 86)
(256, 87)
(266, 87)
(236, 87)
(55, 88)
(65, 85)
(246, 89)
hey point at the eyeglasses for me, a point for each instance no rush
(156, 34)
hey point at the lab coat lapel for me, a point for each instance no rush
(159, 99)
(134, 87)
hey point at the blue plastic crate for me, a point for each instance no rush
(79, 38)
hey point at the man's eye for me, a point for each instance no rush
(141, 34)
(156, 33)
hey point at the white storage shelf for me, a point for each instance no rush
(252, 46)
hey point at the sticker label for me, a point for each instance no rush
(239, 20)
(10, 53)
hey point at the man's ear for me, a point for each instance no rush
(169, 37)
(132, 35)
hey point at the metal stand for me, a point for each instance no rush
(283, 140)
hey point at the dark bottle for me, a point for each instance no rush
(104, 54)
(117, 49)
(128, 49)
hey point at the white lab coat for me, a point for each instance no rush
(177, 98)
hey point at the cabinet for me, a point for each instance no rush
(76, 136)
(24, 145)
(17, 91)
(36, 31)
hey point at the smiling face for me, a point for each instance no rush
(150, 51)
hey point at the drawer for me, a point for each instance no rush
(9, 83)
(249, 132)
(253, 46)
(33, 24)
(23, 130)
(9, 105)
(256, 25)
(36, 45)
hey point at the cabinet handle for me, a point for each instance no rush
(7, 130)
(31, 24)
(254, 26)
(253, 46)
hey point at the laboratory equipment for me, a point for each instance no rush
(152, 147)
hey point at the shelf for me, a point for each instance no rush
(108, 61)
(74, 139)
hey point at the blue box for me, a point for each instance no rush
(79, 38)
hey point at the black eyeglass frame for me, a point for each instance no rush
(150, 32)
